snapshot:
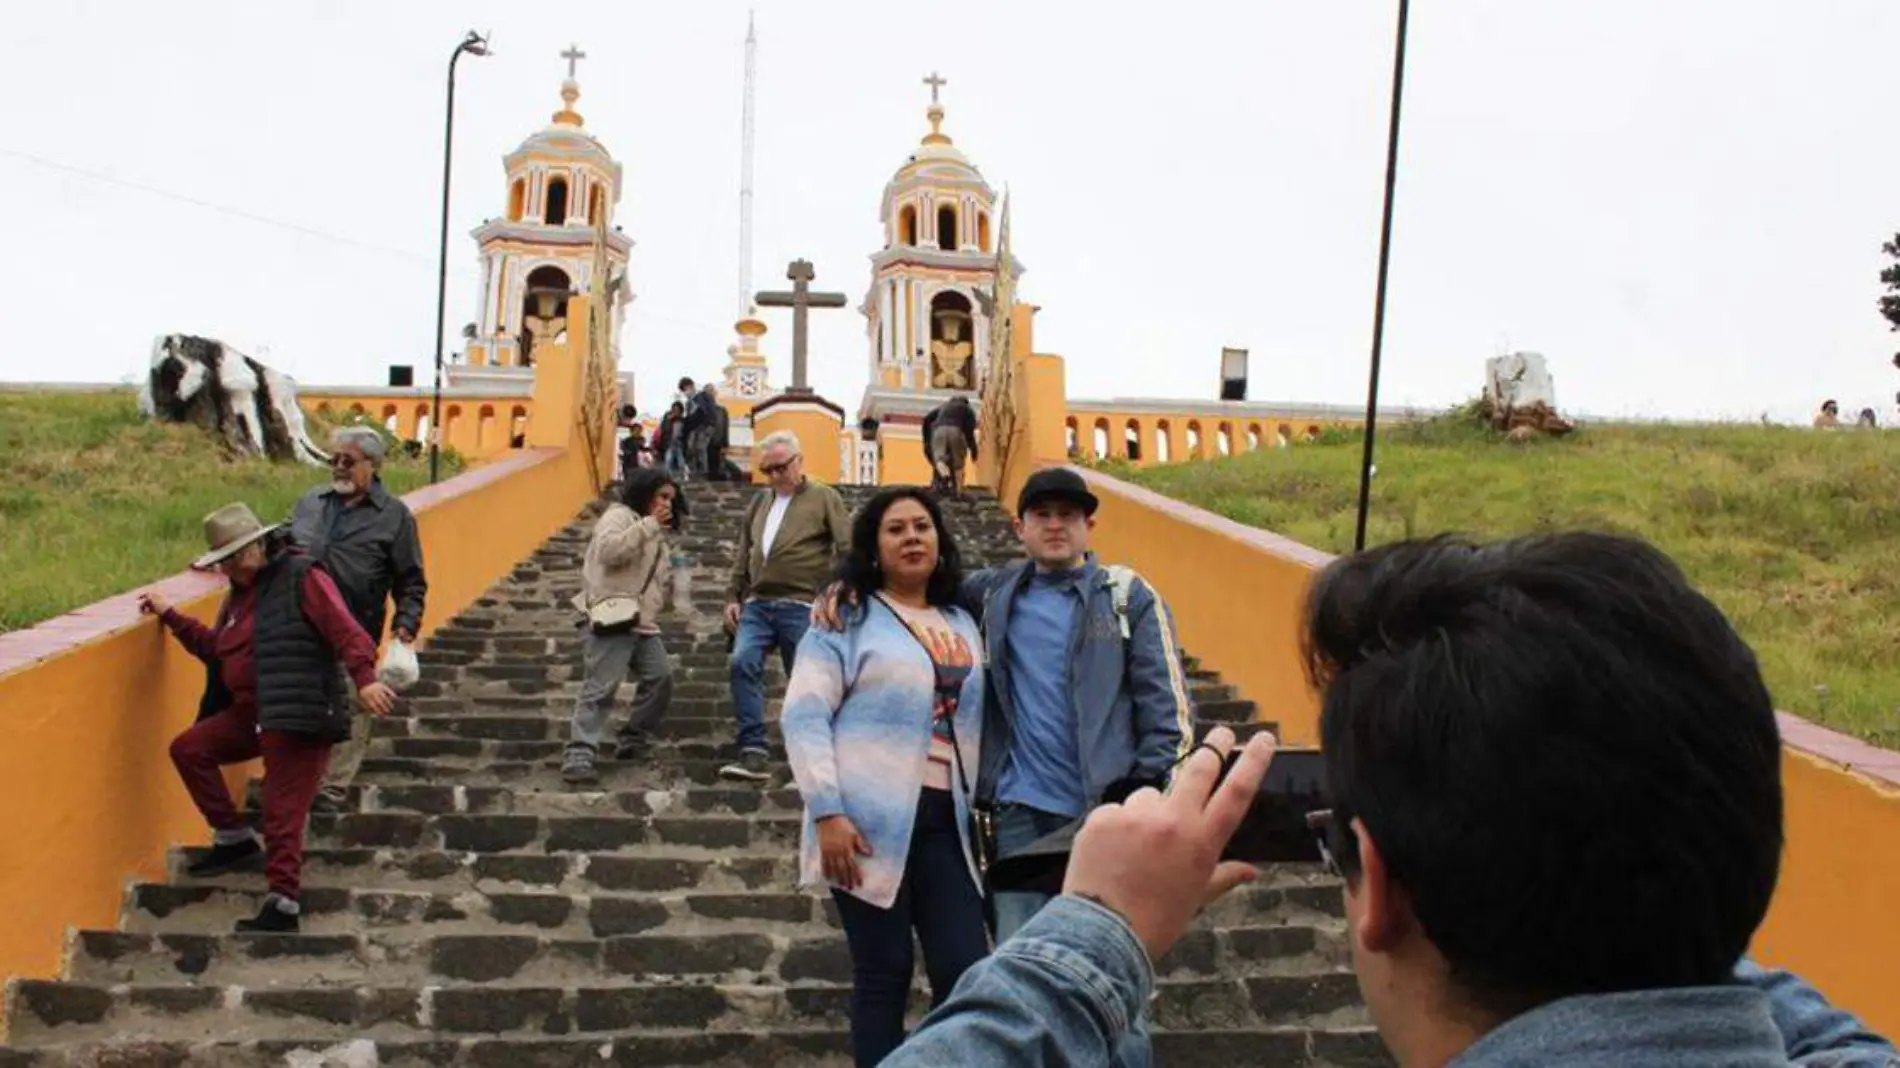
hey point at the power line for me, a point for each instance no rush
(422, 259)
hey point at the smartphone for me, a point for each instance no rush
(1274, 830)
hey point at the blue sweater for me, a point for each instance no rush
(857, 726)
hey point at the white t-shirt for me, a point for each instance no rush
(773, 519)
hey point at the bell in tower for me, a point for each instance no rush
(950, 342)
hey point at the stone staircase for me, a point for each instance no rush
(471, 910)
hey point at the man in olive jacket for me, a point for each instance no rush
(366, 539)
(793, 534)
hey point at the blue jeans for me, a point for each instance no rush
(675, 457)
(1016, 827)
(941, 903)
(763, 625)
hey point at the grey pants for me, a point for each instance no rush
(607, 660)
(948, 451)
(347, 756)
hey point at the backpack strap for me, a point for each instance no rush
(1120, 580)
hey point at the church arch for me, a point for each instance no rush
(1224, 439)
(907, 225)
(1101, 440)
(596, 204)
(1164, 442)
(1071, 437)
(390, 422)
(358, 410)
(517, 199)
(1194, 440)
(518, 427)
(484, 427)
(1253, 437)
(983, 230)
(451, 416)
(1131, 441)
(556, 213)
(947, 227)
(543, 309)
(1312, 433)
(952, 341)
(1283, 435)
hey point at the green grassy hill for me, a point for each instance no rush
(1795, 533)
(97, 501)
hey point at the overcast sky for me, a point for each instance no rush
(1681, 204)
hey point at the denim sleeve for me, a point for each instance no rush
(1061, 994)
(975, 591)
(1816, 1034)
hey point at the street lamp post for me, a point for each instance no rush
(474, 44)
(1385, 259)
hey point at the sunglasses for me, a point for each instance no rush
(773, 469)
(1324, 824)
(340, 462)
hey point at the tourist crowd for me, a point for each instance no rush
(1552, 766)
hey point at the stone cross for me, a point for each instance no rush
(573, 55)
(936, 82)
(800, 299)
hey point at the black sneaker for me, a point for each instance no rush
(329, 804)
(752, 766)
(633, 749)
(219, 859)
(577, 767)
(280, 915)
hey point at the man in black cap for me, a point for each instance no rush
(1087, 695)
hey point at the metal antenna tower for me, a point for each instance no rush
(745, 173)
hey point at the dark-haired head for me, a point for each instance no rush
(686, 385)
(642, 488)
(899, 537)
(1561, 763)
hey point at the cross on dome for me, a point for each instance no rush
(573, 55)
(936, 82)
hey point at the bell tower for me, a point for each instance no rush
(562, 186)
(927, 327)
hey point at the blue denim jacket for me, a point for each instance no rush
(1062, 992)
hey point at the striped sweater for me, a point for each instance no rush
(857, 725)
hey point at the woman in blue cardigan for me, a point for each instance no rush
(882, 726)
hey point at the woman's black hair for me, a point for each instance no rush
(640, 486)
(860, 571)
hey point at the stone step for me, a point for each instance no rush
(653, 871)
(671, 759)
(544, 772)
(602, 894)
(445, 799)
(489, 833)
(738, 939)
(89, 1012)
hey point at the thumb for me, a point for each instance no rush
(1228, 875)
(863, 847)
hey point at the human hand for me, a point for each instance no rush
(662, 510)
(405, 635)
(732, 618)
(379, 699)
(840, 845)
(153, 604)
(1155, 858)
(827, 609)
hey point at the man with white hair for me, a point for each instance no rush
(366, 540)
(793, 534)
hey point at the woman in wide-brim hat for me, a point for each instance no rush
(273, 691)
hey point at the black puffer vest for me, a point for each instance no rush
(299, 688)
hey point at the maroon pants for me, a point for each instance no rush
(293, 770)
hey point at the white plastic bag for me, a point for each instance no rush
(398, 669)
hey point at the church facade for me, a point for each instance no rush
(927, 312)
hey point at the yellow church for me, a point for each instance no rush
(940, 310)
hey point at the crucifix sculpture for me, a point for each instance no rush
(800, 300)
(573, 55)
(936, 82)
